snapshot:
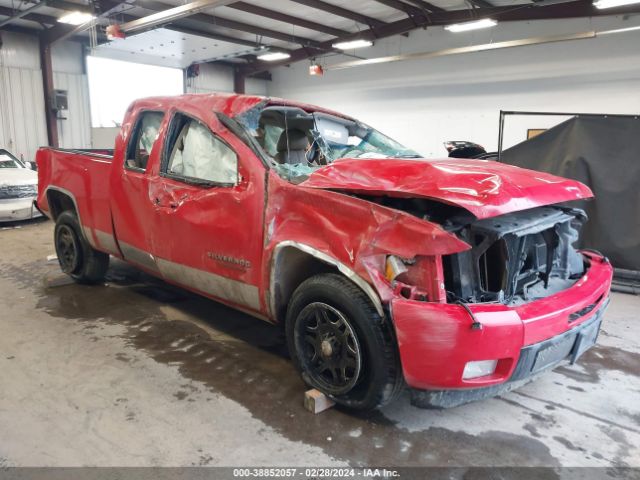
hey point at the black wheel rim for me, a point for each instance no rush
(328, 348)
(67, 249)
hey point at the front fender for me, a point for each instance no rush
(344, 231)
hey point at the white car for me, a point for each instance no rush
(18, 189)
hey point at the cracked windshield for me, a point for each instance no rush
(299, 142)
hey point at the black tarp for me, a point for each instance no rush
(604, 153)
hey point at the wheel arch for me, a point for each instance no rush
(292, 263)
(60, 200)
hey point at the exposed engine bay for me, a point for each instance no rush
(517, 257)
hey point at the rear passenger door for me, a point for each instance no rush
(209, 201)
(133, 209)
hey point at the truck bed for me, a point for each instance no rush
(84, 176)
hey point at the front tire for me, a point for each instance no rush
(76, 257)
(341, 345)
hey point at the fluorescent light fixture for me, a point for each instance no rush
(352, 44)
(479, 369)
(613, 3)
(76, 18)
(475, 25)
(618, 30)
(273, 56)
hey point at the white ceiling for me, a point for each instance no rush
(168, 48)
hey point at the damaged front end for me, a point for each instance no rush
(516, 257)
(510, 259)
(477, 321)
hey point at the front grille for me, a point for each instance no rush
(18, 191)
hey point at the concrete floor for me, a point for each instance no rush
(139, 373)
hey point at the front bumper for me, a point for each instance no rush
(534, 359)
(15, 209)
(436, 340)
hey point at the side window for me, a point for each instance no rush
(143, 139)
(195, 153)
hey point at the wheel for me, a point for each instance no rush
(76, 257)
(341, 345)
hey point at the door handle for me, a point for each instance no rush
(157, 200)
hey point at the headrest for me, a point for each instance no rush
(297, 140)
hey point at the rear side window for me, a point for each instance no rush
(196, 155)
(143, 140)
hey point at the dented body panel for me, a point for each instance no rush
(251, 243)
(483, 187)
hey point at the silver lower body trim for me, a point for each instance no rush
(234, 291)
(212, 284)
(139, 257)
(106, 242)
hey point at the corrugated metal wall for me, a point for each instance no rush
(75, 131)
(69, 75)
(22, 112)
(22, 121)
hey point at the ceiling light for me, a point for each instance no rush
(475, 25)
(76, 18)
(613, 3)
(352, 44)
(273, 56)
(618, 30)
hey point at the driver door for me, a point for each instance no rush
(209, 201)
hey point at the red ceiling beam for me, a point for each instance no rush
(341, 12)
(283, 17)
(482, 3)
(426, 6)
(410, 10)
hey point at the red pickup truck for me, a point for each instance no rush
(455, 277)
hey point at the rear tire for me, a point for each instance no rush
(76, 257)
(341, 345)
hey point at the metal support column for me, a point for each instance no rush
(47, 83)
(238, 81)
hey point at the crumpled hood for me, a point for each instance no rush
(17, 176)
(486, 188)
